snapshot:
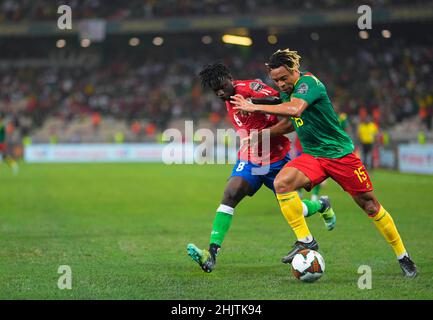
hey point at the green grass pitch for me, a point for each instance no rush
(123, 230)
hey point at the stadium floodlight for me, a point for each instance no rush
(157, 41)
(272, 39)
(206, 39)
(238, 40)
(386, 34)
(363, 34)
(61, 43)
(133, 42)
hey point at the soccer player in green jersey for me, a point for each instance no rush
(327, 152)
(3, 148)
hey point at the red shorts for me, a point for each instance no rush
(3, 147)
(348, 171)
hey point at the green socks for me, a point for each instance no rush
(311, 207)
(221, 224)
(224, 216)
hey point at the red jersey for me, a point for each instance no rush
(279, 145)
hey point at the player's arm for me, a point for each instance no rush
(280, 128)
(272, 100)
(283, 126)
(306, 93)
(267, 100)
(293, 108)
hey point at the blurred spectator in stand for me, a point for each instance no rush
(367, 132)
(96, 121)
(136, 130)
(362, 113)
(376, 116)
(150, 130)
(425, 111)
(421, 137)
(53, 135)
(119, 137)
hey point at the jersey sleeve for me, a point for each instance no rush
(308, 89)
(258, 89)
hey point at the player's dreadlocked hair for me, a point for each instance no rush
(287, 58)
(213, 75)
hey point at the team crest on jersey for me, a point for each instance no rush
(255, 86)
(303, 88)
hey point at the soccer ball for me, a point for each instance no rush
(308, 265)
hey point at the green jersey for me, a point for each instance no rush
(318, 128)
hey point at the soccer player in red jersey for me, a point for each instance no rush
(327, 152)
(255, 165)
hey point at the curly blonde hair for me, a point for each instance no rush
(290, 59)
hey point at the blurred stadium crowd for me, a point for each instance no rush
(391, 81)
(45, 91)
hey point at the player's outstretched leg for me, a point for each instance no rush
(237, 188)
(221, 224)
(386, 226)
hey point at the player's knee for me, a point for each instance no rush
(371, 207)
(283, 184)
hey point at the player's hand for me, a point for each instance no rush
(242, 112)
(242, 104)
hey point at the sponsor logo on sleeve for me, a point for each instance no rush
(256, 86)
(302, 89)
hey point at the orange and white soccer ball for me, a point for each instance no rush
(308, 265)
